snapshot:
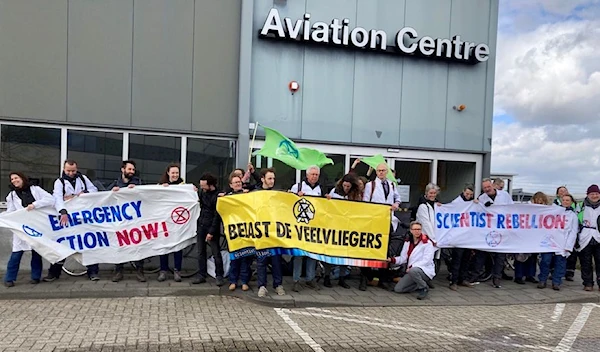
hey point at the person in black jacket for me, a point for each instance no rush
(129, 180)
(207, 231)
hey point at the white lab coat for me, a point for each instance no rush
(378, 196)
(13, 203)
(334, 195)
(421, 257)
(426, 216)
(308, 190)
(502, 198)
(58, 193)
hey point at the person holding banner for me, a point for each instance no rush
(526, 264)
(267, 182)
(129, 180)
(309, 187)
(461, 256)
(23, 195)
(417, 253)
(489, 197)
(383, 191)
(171, 176)
(71, 184)
(207, 232)
(560, 258)
(589, 238)
(239, 268)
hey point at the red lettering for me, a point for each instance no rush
(464, 220)
(164, 226)
(135, 235)
(560, 222)
(150, 231)
(522, 221)
(527, 223)
(548, 222)
(489, 220)
(123, 238)
(508, 221)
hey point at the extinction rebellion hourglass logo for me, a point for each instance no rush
(304, 211)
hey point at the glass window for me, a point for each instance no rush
(285, 176)
(330, 174)
(98, 155)
(415, 175)
(452, 178)
(33, 150)
(152, 154)
(210, 155)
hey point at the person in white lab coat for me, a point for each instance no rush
(417, 253)
(381, 190)
(24, 196)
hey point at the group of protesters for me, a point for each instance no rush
(412, 264)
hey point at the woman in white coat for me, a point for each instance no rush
(24, 196)
(426, 216)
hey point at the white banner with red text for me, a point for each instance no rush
(516, 228)
(112, 227)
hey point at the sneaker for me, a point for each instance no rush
(422, 293)
(453, 287)
(297, 286)
(139, 274)
(118, 276)
(588, 288)
(176, 276)
(162, 276)
(496, 283)
(232, 287)
(556, 287)
(34, 281)
(541, 285)
(219, 281)
(50, 278)
(280, 291)
(466, 284)
(262, 292)
(199, 280)
(94, 277)
(9, 283)
(313, 284)
(245, 287)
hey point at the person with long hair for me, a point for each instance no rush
(23, 195)
(171, 176)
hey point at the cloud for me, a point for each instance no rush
(541, 163)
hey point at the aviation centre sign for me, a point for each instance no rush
(338, 34)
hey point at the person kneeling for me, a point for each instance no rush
(418, 255)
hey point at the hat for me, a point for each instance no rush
(593, 189)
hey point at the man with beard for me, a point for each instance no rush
(70, 185)
(129, 180)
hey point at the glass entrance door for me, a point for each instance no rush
(412, 178)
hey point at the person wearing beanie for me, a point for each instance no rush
(589, 237)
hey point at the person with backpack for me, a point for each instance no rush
(70, 185)
(23, 195)
(310, 187)
(382, 191)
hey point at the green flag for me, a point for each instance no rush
(278, 146)
(375, 160)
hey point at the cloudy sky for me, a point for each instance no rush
(547, 99)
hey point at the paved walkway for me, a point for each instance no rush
(482, 294)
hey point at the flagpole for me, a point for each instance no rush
(252, 142)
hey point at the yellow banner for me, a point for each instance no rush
(333, 228)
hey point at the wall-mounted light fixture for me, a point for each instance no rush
(460, 107)
(294, 87)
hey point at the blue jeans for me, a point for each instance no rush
(311, 267)
(262, 263)
(12, 269)
(560, 268)
(177, 260)
(239, 269)
(526, 268)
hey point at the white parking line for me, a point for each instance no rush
(305, 336)
(409, 329)
(571, 335)
(558, 310)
